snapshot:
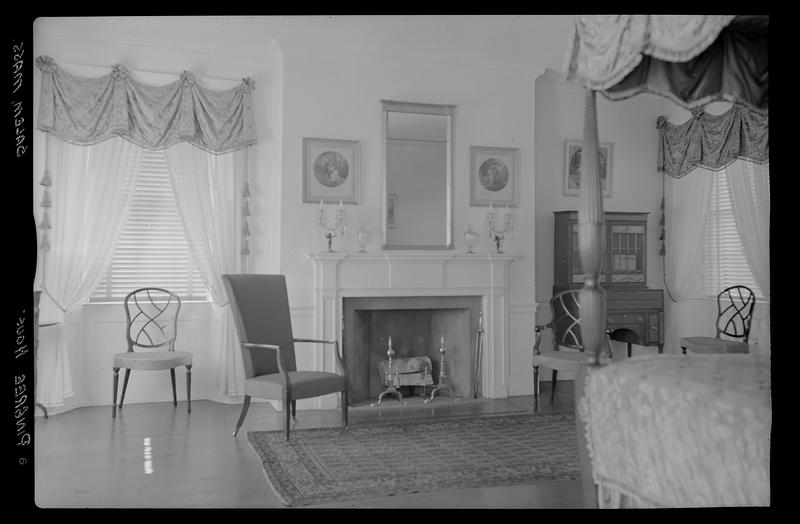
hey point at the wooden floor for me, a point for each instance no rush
(157, 456)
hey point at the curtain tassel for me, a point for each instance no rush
(46, 180)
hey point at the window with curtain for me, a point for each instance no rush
(153, 249)
(726, 262)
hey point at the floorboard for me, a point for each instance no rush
(155, 455)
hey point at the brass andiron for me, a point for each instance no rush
(443, 384)
(392, 380)
(476, 390)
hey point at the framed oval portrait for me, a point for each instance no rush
(493, 176)
(330, 170)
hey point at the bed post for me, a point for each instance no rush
(591, 296)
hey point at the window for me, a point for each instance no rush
(153, 250)
(726, 262)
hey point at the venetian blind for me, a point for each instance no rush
(153, 250)
(726, 262)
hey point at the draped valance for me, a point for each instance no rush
(86, 111)
(691, 59)
(712, 141)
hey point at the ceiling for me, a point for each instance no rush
(526, 41)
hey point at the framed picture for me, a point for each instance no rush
(330, 170)
(392, 211)
(572, 167)
(493, 176)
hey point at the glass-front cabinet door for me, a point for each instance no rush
(624, 262)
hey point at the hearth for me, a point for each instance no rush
(417, 327)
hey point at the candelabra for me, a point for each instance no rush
(498, 230)
(392, 380)
(443, 382)
(336, 229)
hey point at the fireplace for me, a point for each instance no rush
(416, 325)
(425, 285)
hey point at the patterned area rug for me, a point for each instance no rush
(319, 466)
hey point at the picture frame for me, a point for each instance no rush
(572, 165)
(392, 210)
(494, 172)
(331, 170)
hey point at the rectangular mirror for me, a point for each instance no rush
(418, 175)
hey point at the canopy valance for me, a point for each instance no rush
(712, 141)
(691, 59)
(86, 111)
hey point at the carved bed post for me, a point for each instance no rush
(590, 236)
(591, 296)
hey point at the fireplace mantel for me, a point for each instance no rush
(419, 273)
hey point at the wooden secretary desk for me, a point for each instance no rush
(629, 302)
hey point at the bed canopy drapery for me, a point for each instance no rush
(693, 60)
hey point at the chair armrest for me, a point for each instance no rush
(335, 342)
(251, 345)
(538, 330)
(277, 349)
(314, 340)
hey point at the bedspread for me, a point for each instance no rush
(680, 430)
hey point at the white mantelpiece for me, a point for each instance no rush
(419, 273)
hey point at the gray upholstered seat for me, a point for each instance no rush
(151, 330)
(260, 306)
(152, 360)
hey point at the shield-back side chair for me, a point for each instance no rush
(735, 306)
(260, 306)
(152, 327)
(566, 329)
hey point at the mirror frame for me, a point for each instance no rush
(393, 106)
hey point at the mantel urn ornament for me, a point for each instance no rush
(362, 236)
(470, 238)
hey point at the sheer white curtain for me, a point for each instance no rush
(748, 184)
(91, 191)
(686, 205)
(207, 189)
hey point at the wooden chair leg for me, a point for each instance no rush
(174, 394)
(245, 406)
(124, 386)
(189, 388)
(287, 408)
(684, 349)
(553, 387)
(629, 349)
(535, 389)
(294, 410)
(344, 407)
(114, 398)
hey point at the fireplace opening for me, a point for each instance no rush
(417, 326)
